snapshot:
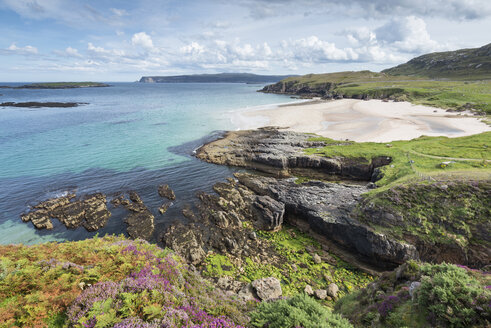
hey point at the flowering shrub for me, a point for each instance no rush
(453, 296)
(162, 293)
(107, 282)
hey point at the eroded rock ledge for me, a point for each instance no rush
(281, 153)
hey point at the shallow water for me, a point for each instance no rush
(131, 136)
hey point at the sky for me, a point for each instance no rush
(104, 40)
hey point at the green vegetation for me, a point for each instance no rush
(423, 158)
(422, 295)
(461, 64)
(106, 282)
(296, 267)
(443, 212)
(454, 95)
(298, 311)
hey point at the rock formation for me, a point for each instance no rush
(140, 221)
(90, 212)
(282, 153)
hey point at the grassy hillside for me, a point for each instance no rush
(421, 158)
(463, 64)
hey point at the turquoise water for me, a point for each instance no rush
(130, 136)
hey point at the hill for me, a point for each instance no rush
(463, 64)
(214, 78)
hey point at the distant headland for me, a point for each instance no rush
(215, 78)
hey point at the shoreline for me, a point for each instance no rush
(363, 120)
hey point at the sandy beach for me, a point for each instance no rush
(360, 120)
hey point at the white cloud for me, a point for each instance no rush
(192, 49)
(27, 50)
(315, 50)
(119, 12)
(142, 40)
(68, 52)
(407, 34)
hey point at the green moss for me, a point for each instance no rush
(296, 267)
(217, 265)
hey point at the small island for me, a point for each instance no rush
(35, 104)
(59, 85)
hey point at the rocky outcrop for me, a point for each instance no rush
(268, 213)
(90, 212)
(166, 192)
(328, 210)
(282, 153)
(140, 221)
(216, 225)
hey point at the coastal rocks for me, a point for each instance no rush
(282, 153)
(268, 213)
(140, 221)
(327, 208)
(267, 288)
(90, 212)
(166, 192)
(164, 207)
(219, 225)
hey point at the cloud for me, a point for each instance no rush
(408, 34)
(68, 52)
(454, 9)
(119, 12)
(15, 50)
(315, 50)
(142, 40)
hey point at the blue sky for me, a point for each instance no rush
(74, 40)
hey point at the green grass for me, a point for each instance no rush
(419, 158)
(455, 95)
(295, 270)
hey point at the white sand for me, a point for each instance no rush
(360, 120)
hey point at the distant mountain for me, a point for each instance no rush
(469, 64)
(214, 78)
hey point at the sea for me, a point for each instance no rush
(129, 136)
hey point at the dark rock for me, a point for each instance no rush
(140, 221)
(166, 192)
(90, 212)
(268, 213)
(164, 207)
(327, 208)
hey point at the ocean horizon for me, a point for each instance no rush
(129, 136)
